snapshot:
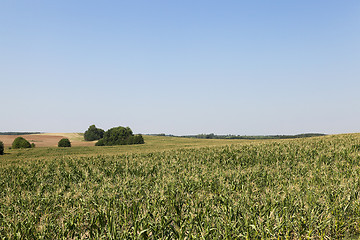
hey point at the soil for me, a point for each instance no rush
(43, 140)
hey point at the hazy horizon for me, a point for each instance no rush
(181, 68)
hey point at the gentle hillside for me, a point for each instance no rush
(47, 139)
(175, 188)
(82, 148)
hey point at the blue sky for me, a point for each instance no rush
(181, 67)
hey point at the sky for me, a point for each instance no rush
(181, 67)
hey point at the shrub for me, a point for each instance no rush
(32, 145)
(93, 133)
(21, 142)
(100, 142)
(119, 136)
(139, 139)
(64, 143)
(136, 139)
(1, 148)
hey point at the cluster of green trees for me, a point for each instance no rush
(21, 142)
(113, 136)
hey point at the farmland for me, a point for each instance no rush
(47, 139)
(176, 188)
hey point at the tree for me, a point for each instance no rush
(93, 133)
(119, 136)
(21, 142)
(64, 142)
(1, 148)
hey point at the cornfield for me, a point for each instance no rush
(290, 189)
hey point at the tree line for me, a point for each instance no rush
(18, 133)
(213, 136)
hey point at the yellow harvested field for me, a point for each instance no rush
(48, 139)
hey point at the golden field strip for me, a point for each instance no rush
(47, 139)
(178, 188)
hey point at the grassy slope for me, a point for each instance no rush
(152, 144)
(170, 188)
(78, 137)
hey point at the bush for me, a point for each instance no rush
(100, 142)
(136, 139)
(32, 145)
(20, 142)
(1, 148)
(119, 136)
(64, 143)
(93, 133)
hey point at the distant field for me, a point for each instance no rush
(47, 146)
(176, 188)
(47, 139)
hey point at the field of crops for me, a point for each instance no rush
(278, 189)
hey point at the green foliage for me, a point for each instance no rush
(136, 139)
(356, 147)
(100, 142)
(120, 136)
(93, 133)
(298, 189)
(32, 145)
(20, 142)
(1, 148)
(64, 142)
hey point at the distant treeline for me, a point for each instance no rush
(161, 135)
(18, 133)
(213, 136)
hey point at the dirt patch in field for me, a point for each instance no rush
(45, 140)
